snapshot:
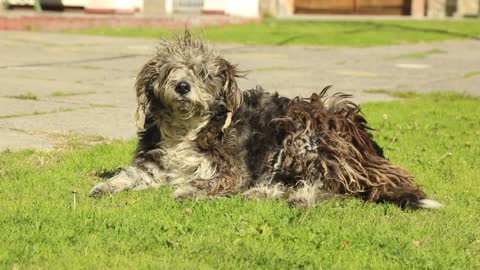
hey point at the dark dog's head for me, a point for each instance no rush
(186, 78)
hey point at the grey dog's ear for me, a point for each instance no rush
(144, 87)
(231, 94)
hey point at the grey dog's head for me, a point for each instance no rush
(186, 78)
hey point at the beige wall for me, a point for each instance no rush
(417, 8)
(267, 7)
(276, 8)
(459, 8)
(468, 8)
(154, 7)
(436, 8)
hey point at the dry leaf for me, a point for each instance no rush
(419, 243)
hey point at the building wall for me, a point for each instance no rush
(276, 8)
(451, 7)
(154, 7)
(468, 8)
(268, 7)
(459, 8)
(436, 8)
(244, 8)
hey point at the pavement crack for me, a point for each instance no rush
(66, 63)
(8, 116)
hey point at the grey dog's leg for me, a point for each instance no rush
(194, 190)
(129, 178)
(199, 189)
(265, 192)
(189, 192)
(308, 195)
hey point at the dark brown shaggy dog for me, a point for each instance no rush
(199, 133)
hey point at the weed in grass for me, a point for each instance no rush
(419, 55)
(67, 142)
(396, 94)
(41, 113)
(467, 75)
(95, 105)
(67, 94)
(471, 74)
(40, 228)
(29, 96)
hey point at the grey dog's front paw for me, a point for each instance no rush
(99, 190)
(189, 193)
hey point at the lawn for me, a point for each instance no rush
(436, 136)
(356, 33)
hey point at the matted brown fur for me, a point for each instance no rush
(328, 142)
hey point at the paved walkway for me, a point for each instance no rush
(59, 83)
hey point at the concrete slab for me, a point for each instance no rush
(356, 69)
(12, 107)
(95, 76)
(110, 98)
(109, 122)
(16, 140)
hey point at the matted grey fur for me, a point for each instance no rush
(200, 134)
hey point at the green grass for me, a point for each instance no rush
(303, 32)
(40, 229)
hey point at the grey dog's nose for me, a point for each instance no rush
(182, 88)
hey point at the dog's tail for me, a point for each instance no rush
(406, 197)
(429, 204)
(413, 202)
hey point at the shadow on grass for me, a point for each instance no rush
(106, 174)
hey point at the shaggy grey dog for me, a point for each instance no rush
(200, 134)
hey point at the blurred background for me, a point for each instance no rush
(254, 8)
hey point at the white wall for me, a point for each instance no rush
(242, 8)
(74, 3)
(113, 4)
(20, 2)
(215, 5)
